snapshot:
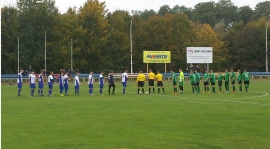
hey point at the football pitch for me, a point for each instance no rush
(212, 121)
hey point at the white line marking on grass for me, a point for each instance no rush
(235, 101)
(204, 99)
(264, 94)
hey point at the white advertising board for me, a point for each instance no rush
(199, 55)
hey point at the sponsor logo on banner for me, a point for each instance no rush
(199, 55)
(190, 51)
(156, 56)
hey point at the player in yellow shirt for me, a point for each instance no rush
(181, 81)
(151, 79)
(159, 78)
(140, 81)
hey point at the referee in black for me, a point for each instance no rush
(111, 83)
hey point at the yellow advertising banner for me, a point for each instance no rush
(156, 56)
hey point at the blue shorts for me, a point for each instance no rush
(101, 85)
(61, 86)
(91, 85)
(19, 85)
(66, 86)
(40, 85)
(124, 84)
(32, 85)
(77, 87)
(50, 85)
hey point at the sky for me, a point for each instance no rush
(129, 5)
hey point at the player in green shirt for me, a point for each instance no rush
(206, 78)
(220, 77)
(233, 78)
(192, 78)
(181, 81)
(226, 78)
(174, 79)
(239, 79)
(197, 81)
(246, 79)
(213, 81)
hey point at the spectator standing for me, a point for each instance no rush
(187, 69)
(198, 68)
(29, 69)
(192, 68)
(72, 72)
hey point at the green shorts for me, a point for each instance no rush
(181, 83)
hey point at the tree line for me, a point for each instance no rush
(101, 39)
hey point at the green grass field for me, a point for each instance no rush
(217, 121)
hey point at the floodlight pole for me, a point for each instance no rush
(18, 54)
(131, 63)
(131, 50)
(71, 53)
(45, 53)
(266, 58)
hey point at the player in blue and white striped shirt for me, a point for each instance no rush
(32, 82)
(77, 84)
(66, 83)
(19, 81)
(124, 81)
(61, 83)
(101, 83)
(50, 83)
(90, 83)
(40, 83)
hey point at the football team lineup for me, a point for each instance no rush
(194, 77)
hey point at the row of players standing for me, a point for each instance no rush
(194, 78)
(64, 85)
(211, 78)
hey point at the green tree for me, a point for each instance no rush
(164, 9)
(246, 45)
(34, 19)
(226, 10)
(69, 27)
(183, 9)
(92, 17)
(220, 29)
(9, 38)
(245, 14)
(262, 9)
(146, 14)
(118, 47)
(205, 13)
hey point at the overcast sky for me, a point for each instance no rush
(129, 5)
